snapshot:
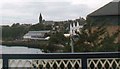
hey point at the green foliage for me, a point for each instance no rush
(40, 26)
(97, 40)
(108, 44)
(67, 45)
(15, 25)
(37, 27)
(16, 31)
(57, 38)
(56, 42)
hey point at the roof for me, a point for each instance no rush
(115, 0)
(49, 22)
(109, 9)
(37, 32)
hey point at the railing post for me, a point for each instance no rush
(5, 63)
(84, 63)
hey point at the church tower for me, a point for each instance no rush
(40, 18)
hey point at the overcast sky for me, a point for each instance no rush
(27, 11)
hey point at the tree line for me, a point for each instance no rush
(90, 39)
(15, 31)
(87, 40)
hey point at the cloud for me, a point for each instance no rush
(50, 11)
(27, 11)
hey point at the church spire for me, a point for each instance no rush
(40, 18)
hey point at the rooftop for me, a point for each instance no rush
(116, 1)
(37, 32)
(109, 9)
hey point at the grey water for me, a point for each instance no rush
(19, 50)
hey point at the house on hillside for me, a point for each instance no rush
(108, 14)
(37, 35)
(75, 27)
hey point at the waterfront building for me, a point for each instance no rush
(37, 35)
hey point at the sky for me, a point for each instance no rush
(28, 11)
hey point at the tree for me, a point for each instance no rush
(56, 42)
(37, 27)
(16, 31)
(92, 38)
(108, 44)
(16, 25)
(40, 26)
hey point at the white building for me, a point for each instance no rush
(37, 35)
(74, 27)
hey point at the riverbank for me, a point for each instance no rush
(30, 44)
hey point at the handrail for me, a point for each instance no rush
(83, 56)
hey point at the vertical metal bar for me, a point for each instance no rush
(71, 44)
(5, 63)
(84, 63)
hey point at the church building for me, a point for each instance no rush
(40, 18)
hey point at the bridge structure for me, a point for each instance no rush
(86, 60)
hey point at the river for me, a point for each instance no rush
(18, 50)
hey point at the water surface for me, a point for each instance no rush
(18, 50)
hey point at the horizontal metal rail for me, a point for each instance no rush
(63, 56)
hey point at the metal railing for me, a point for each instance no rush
(88, 60)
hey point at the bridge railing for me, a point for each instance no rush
(88, 60)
